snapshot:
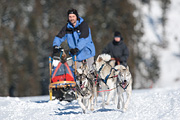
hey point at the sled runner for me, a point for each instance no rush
(62, 82)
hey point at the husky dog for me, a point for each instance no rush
(124, 82)
(105, 70)
(85, 89)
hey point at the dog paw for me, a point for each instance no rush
(88, 112)
(118, 107)
(124, 109)
(106, 103)
(102, 106)
(84, 111)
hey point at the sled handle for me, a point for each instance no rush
(50, 94)
(75, 65)
(50, 72)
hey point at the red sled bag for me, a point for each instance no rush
(62, 73)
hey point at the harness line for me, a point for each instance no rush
(106, 78)
(115, 88)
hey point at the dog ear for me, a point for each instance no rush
(99, 59)
(86, 69)
(122, 67)
(112, 62)
(127, 68)
(117, 67)
(79, 71)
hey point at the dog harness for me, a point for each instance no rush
(106, 78)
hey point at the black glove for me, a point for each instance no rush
(74, 51)
(56, 49)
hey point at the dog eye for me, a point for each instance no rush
(78, 77)
(128, 74)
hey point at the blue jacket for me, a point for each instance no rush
(77, 37)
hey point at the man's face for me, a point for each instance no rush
(117, 39)
(72, 18)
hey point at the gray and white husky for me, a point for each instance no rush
(85, 89)
(124, 82)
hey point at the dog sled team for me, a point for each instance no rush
(80, 77)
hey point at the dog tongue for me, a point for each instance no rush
(123, 85)
(82, 86)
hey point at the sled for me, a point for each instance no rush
(62, 81)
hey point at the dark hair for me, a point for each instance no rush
(73, 11)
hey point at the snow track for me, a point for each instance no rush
(154, 104)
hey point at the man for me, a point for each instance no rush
(79, 40)
(117, 49)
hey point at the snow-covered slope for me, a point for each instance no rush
(154, 104)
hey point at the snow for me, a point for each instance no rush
(161, 104)
(153, 39)
(152, 104)
(170, 57)
(170, 65)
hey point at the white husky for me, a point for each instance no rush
(106, 73)
(119, 78)
(124, 83)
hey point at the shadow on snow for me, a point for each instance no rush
(63, 112)
(104, 110)
(41, 101)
